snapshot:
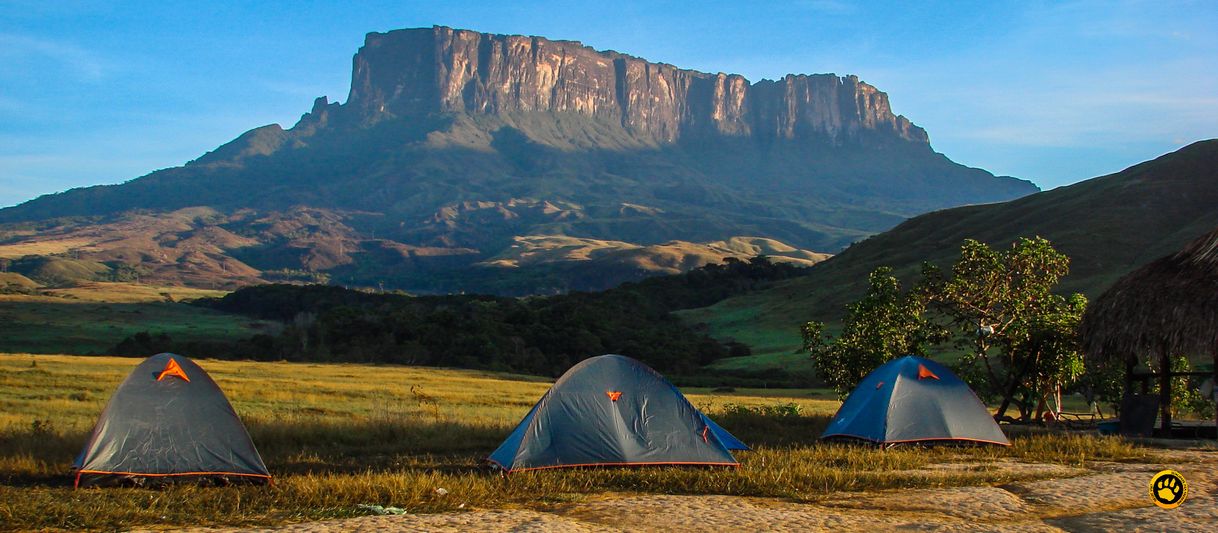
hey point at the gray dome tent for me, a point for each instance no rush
(614, 411)
(167, 419)
(910, 400)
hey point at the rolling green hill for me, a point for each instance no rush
(1107, 225)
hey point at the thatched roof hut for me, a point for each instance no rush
(1167, 307)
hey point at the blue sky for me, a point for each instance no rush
(103, 92)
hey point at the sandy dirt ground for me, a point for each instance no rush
(1105, 497)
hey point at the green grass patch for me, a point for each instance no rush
(51, 325)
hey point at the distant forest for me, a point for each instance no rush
(542, 335)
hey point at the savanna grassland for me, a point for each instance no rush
(336, 436)
(93, 317)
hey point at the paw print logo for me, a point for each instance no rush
(1168, 489)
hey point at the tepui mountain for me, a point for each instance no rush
(466, 161)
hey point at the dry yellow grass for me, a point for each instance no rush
(42, 247)
(116, 292)
(340, 435)
(74, 389)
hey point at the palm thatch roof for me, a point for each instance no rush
(1170, 304)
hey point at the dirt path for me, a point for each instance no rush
(1108, 497)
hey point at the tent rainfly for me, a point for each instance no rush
(167, 420)
(914, 400)
(1167, 307)
(612, 410)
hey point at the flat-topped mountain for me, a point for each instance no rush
(455, 146)
(415, 72)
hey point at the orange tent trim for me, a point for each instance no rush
(614, 395)
(173, 369)
(585, 465)
(904, 441)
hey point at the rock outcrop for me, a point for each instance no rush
(420, 71)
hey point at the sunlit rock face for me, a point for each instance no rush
(413, 71)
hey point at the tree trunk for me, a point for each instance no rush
(1007, 396)
(1002, 409)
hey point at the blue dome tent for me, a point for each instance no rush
(612, 410)
(168, 420)
(914, 400)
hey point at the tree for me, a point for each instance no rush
(1051, 350)
(1020, 339)
(1184, 397)
(883, 325)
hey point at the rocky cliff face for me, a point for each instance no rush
(418, 71)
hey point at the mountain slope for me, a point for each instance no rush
(464, 141)
(1107, 226)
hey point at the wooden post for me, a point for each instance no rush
(1165, 390)
(1130, 364)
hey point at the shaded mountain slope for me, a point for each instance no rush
(1107, 226)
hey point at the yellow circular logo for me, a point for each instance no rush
(1168, 489)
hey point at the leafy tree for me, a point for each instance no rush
(885, 324)
(1020, 339)
(1184, 397)
(1051, 350)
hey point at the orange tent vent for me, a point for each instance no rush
(924, 373)
(614, 395)
(173, 369)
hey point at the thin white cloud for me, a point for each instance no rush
(84, 63)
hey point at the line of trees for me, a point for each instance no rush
(542, 335)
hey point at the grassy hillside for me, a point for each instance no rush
(336, 436)
(14, 282)
(202, 247)
(1107, 225)
(94, 317)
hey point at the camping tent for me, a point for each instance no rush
(168, 418)
(912, 399)
(613, 410)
